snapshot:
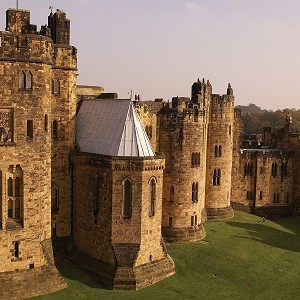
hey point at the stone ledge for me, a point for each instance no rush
(219, 213)
(189, 234)
(124, 278)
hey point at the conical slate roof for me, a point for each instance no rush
(111, 127)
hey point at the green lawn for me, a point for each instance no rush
(244, 258)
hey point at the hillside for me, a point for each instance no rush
(254, 118)
(240, 258)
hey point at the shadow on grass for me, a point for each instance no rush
(70, 271)
(263, 232)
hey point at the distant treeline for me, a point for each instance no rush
(255, 118)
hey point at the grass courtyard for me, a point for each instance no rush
(240, 258)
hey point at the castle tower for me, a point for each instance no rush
(182, 139)
(63, 109)
(219, 156)
(27, 266)
(118, 197)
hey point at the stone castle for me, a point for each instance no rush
(117, 176)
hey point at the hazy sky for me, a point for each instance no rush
(159, 48)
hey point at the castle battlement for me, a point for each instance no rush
(22, 42)
(31, 48)
(186, 116)
(266, 153)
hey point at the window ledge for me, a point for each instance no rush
(26, 90)
(9, 144)
(14, 224)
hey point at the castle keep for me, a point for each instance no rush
(117, 177)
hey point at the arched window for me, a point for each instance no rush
(10, 209)
(54, 198)
(152, 197)
(22, 80)
(127, 199)
(28, 80)
(172, 193)
(54, 129)
(17, 187)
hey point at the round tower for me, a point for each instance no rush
(183, 134)
(219, 156)
(25, 164)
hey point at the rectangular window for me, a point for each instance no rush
(196, 221)
(192, 221)
(287, 197)
(29, 129)
(170, 222)
(46, 123)
(260, 195)
(16, 249)
(55, 129)
(10, 187)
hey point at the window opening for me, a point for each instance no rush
(127, 199)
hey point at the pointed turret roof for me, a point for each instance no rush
(111, 127)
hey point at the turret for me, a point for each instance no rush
(182, 140)
(219, 156)
(60, 27)
(18, 21)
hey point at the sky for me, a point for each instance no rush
(158, 48)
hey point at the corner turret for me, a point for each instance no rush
(60, 27)
(18, 21)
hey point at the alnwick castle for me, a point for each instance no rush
(117, 178)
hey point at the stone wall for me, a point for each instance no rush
(260, 182)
